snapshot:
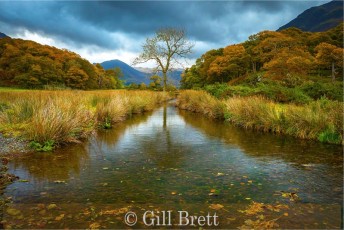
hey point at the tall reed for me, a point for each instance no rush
(201, 102)
(319, 120)
(68, 116)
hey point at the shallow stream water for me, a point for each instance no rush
(179, 161)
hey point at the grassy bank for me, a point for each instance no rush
(320, 120)
(296, 90)
(50, 118)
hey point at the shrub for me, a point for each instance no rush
(47, 146)
(316, 90)
(218, 90)
(292, 81)
(330, 136)
(272, 90)
(279, 93)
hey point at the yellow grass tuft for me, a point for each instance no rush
(200, 102)
(319, 120)
(68, 116)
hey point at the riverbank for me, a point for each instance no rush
(12, 145)
(320, 120)
(44, 120)
(48, 119)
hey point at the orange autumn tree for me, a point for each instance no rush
(32, 65)
(330, 57)
(289, 62)
(197, 76)
(206, 60)
(271, 43)
(233, 63)
(275, 54)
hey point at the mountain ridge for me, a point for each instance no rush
(131, 75)
(2, 35)
(319, 18)
(138, 75)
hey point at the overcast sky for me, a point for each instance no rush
(106, 30)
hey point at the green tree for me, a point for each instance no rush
(114, 76)
(155, 82)
(143, 86)
(133, 86)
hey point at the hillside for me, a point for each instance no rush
(319, 18)
(28, 64)
(286, 66)
(131, 75)
(139, 75)
(2, 35)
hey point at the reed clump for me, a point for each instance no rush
(201, 102)
(68, 116)
(320, 120)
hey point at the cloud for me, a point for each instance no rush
(121, 26)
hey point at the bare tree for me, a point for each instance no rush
(165, 48)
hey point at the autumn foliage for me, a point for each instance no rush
(277, 55)
(31, 65)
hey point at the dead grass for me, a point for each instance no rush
(201, 102)
(319, 120)
(68, 116)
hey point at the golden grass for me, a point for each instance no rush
(68, 116)
(200, 102)
(319, 120)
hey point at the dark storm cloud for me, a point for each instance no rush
(214, 23)
(51, 18)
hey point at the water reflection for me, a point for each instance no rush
(173, 159)
(259, 144)
(316, 166)
(111, 137)
(51, 166)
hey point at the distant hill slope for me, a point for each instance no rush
(2, 35)
(319, 18)
(139, 75)
(131, 75)
(174, 76)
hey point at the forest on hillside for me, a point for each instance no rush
(29, 64)
(280, 60)
(274, 64)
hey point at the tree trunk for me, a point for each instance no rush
(99, 82)
(165, 80)
(333, 72)
(165, 118)
(254, 67)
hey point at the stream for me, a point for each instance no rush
(173, 160)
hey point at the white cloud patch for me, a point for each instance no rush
(92, 53)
